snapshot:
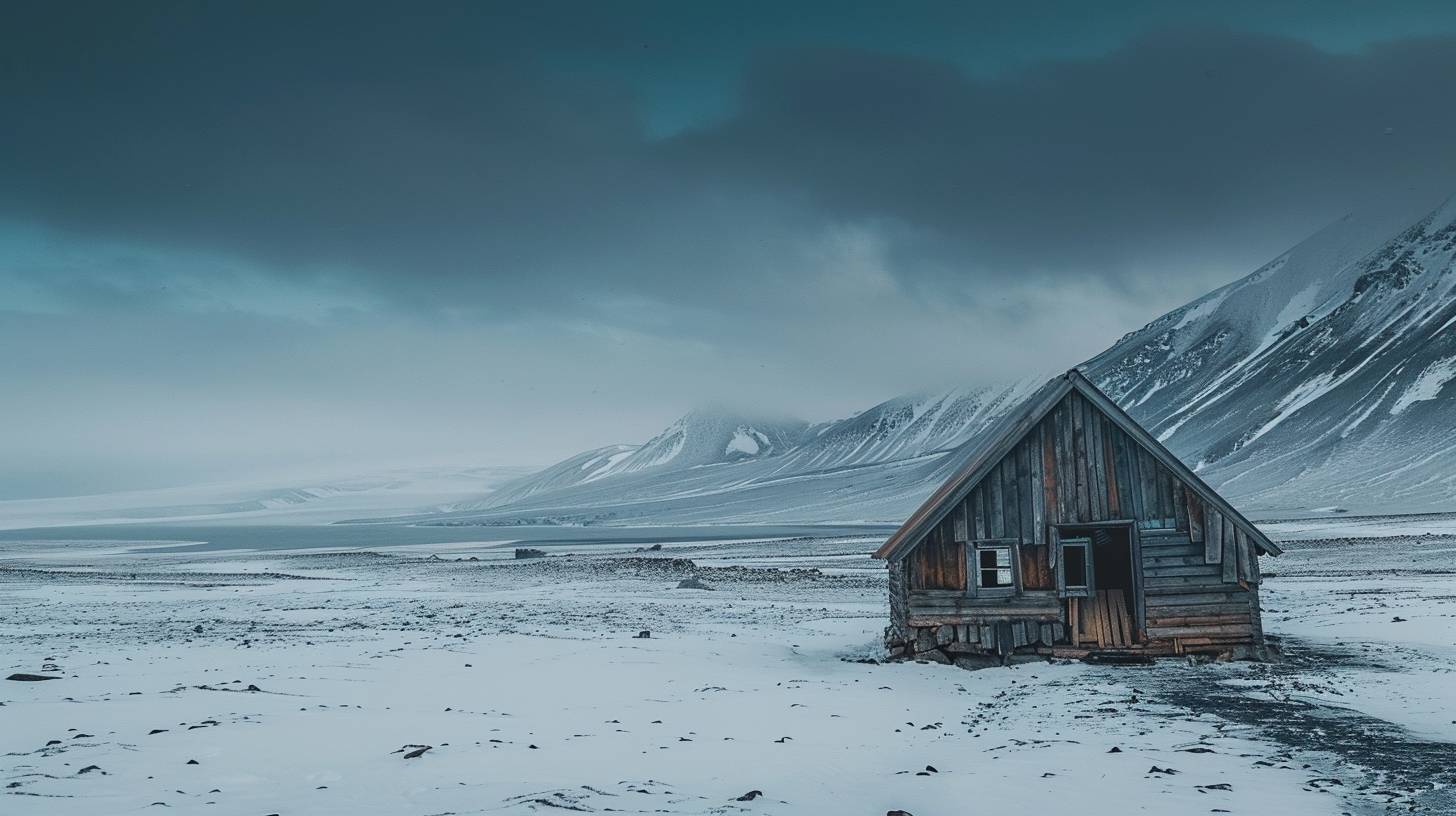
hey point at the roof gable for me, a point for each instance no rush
(1002, 437)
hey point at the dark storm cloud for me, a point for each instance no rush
(439, 162)
(1191, 143)
(268, 233)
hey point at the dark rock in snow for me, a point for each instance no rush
(31, 678)
(692, 583)
(643, 634)
(750, 796)
(418, 752)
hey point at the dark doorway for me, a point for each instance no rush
(1103, 612)
(1112, 560)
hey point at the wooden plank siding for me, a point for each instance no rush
(1199, 573)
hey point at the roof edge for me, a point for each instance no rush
(1011, 429)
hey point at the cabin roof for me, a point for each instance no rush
(997, 440)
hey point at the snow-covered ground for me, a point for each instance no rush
(306, 682)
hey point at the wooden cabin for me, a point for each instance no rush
(1071, 531)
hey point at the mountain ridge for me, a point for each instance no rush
(1267, 386)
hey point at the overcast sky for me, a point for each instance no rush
(247, 239)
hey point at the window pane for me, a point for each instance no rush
(988, 558)
(1074, 564)
(1003, 558)
(1003, 577)
(988, 578)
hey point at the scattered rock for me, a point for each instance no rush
(31, 678)
(529, 552)
(89, 769)
(750, 796)
(1396, 619)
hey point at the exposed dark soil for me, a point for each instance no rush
(1375, 765)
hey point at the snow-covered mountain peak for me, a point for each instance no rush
(709, 436)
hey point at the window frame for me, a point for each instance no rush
(1087, 588)
(974, 549)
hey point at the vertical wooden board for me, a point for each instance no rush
(1180, 506)
(995, 503)
(1095, 464)
(1213, 537)
(978, 510)
(1246, 550)
(1230, 554)
(1165, 496)
(1079, 455)
(1126, 464)
(1037, 460)
(1066, 478)
(1048, 476)
(1109, 472)
(1011, 492)
(1148, 476)
(1195, 516)
(1104, 627)
(1089, 440)
(1025, 489)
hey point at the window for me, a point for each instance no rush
(1074, 573)
(994, 568)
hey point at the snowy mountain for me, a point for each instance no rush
(1319, 380)
(715, 466)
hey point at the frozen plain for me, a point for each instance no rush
(298, 683)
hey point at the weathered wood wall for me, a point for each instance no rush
(1076, 466)
(1187, 598)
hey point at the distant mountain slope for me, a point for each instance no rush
(275, 502)
(1322, 378)
(716, 466)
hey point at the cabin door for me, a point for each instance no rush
(1098, 577)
